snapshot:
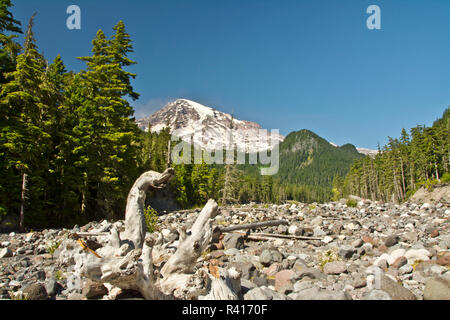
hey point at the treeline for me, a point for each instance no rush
(418, 158)
(194, 184)
(69, 147)
(307, 159)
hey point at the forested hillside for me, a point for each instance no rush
(306, 158)
(420, 157)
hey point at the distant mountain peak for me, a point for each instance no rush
(364, 151)
(208, 127)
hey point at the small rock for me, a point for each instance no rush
(399, 262)
(294, 230)
(359, 283)
(370, 240)
(437, 270)
(260, 281)
(395, 290)
(14, 284)
(410, 237)
(283, 279)
(383, 264)
(94, 290)
(257, 294)
(327, 239)
(6, 253)
(346, 251)
(391, 240)
(318, 232)
(5, 244)
(406, 269)
(273, 269)
(268, 257)
(247, 285)
(425, 206)
(51, 287)
(357, 243)
(232, 240)
(317, 221)
(444, 260)
(36, 291)
(217, 254)
(302, 285)
(278, 242)
(434, 233)
(378, 295)
(75, 296)
(417, 254)
(247, 269)
(335, 267)
(319, 294)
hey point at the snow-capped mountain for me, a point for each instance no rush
(367, 152)
(209, 128)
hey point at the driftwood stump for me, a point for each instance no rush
(126, 259)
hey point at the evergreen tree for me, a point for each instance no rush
(107, 132)
(23, 136)
(9, 49)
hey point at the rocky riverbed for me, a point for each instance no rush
(327, 251)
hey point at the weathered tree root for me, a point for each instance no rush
(126, 259)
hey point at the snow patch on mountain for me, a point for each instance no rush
(209, 128)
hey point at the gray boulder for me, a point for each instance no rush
(437, 289)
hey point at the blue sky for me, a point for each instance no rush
(287, 65)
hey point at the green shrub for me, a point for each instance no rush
(351, 203)
(3, 212)
(59, 275)
(52, 248)
(445, 178)
(151, 219)
(428, 184)
(330, 255)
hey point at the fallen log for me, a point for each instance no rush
(256, 225)
(268, 236)
(90, 234)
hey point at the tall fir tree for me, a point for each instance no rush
(23, 136)
(106, 128)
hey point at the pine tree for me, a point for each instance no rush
(109, 137)
(23, 137)
(199, 182)
(9, 49)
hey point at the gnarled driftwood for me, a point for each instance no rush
(126, 259)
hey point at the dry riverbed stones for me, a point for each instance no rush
(374, 251)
